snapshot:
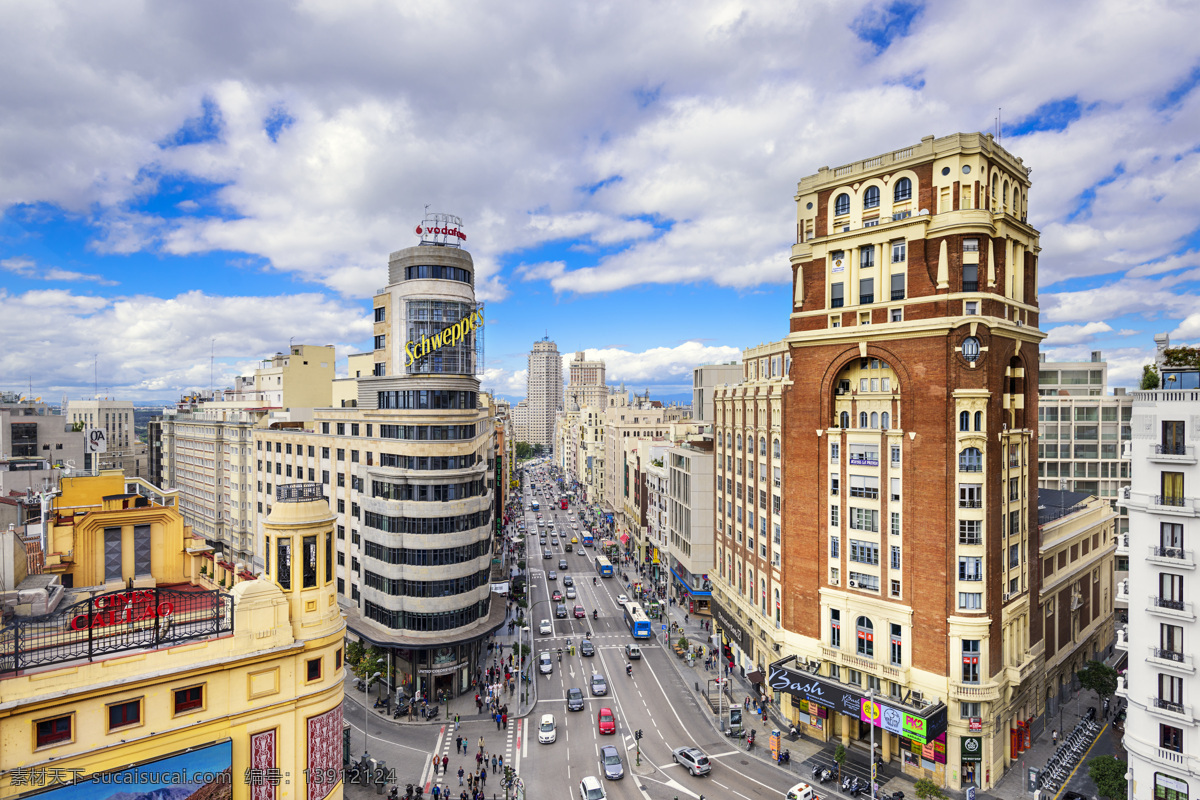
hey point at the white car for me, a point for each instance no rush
(547, 733)
(545, 664)
(546, 627)
(590, 788)
(622, 599)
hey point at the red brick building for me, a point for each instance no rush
(908, 508)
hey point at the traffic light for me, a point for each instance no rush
(637, 734)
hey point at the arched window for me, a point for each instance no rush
(874, 419)
(866, 637)
(964, 421)
(739, 442)
(762, 446)
(903, 190)
(970, 460)
(871, 197)
(841, 205)
(845, 419)
(978, 420)
(775, 449)
(720, 439)
(885, 420)
(763, 594)
(777, 620)
(1005, 196)
(862, 419)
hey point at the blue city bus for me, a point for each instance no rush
(535, 505)
(588, 541)
(636, 619)
(604, 567)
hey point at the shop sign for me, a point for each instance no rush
(971, 747)
(900, 722)
(445, 669)
(976, 724)
(815, 690)
(730, 626)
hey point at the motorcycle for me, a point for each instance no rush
(738, 734)
(785, 756)
(433, 713)
(629, 670)
(816, 771)
(595, 614)
(826, 775)
(846, 784)
(750, 740)
(394, 794)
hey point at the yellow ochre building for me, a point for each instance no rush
(136, 662)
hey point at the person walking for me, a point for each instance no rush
(457, 721)
(460, 776)
(481, 745)
(504, 720)
(493, 762)
(445, 764)
(1054, 736)
(457, 745)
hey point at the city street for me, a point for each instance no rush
(654, 699)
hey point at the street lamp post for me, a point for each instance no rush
(366, 715)
(874, 711)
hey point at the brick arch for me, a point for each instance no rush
(850, 354)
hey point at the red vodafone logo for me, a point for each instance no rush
(435, 230)
(419, 231)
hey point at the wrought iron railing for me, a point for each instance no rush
(114, 622)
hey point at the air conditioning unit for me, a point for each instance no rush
(916, 697)
(853, 584)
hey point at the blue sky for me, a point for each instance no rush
(225, 178)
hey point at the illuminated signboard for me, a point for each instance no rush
(450, 336)
(441, 229)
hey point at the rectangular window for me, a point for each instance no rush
(899, 252)
(313, 669)
(969, 710)
(834, 451)
(895, 523)
(859, 580)
(1014, 556)
(53, 731)
(834, 486)
(835, 550)
(283, 561)
(189, 699)
(970, 495)
(970, 568)
(970, 601)
(898, 287)
(123, 714)
(863, 552)
(895, 490)
(1170, 738)
(341, 429)
(894, 562)
(833, 515)
(897, 645)
(837, 297)
(866, 486)
(835, 628)
(866, 257)
(970, 531)
(895, 588)
(970, 277)
(866, 290)
(864, 519)
(970, 661)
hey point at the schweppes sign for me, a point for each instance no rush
(450, 335)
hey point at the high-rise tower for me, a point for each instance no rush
(544, 389)
(910, 529)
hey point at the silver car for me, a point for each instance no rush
(610, 759)
(692, 759)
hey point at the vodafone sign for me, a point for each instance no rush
(441, 229)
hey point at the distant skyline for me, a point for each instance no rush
(177, 180)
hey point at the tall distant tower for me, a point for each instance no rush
(544, 390)
(586, 382)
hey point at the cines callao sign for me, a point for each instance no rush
(450, 335)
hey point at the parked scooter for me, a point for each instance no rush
(816, 771)
(826, 775)
(785, 756)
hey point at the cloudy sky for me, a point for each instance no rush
(186, 179)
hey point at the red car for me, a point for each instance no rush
(606, 721)
(579, 612)
(556, 595)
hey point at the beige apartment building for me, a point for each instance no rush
(544, 391)
(206, 448)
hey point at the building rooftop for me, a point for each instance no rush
(1055, 504)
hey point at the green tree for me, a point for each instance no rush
(839, 755)
(1149, 377)
(1099, 677)
(1108, 773)
(928, 790)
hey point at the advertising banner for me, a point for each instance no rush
(902, 722)
(971, 748)
(202, 772)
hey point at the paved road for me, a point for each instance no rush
(655, 699)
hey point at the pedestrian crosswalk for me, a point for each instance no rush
(463, 762)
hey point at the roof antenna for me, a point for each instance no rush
(999, 125)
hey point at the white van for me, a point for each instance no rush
(801, 791)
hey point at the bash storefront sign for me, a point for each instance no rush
(815, 690)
